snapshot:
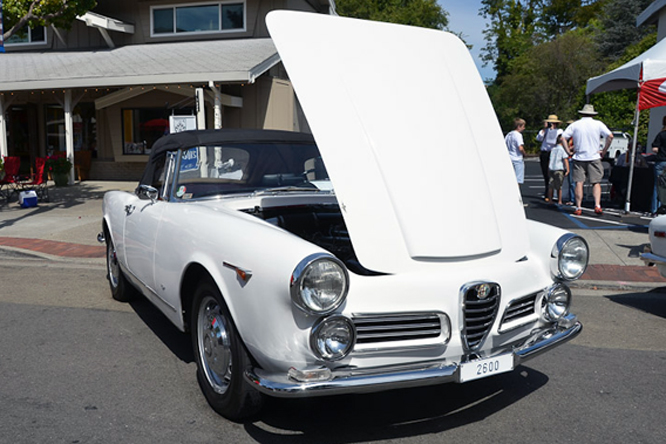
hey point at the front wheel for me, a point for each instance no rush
(121, 289)
(221, 357)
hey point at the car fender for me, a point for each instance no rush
(223, 242)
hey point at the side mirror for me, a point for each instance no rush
(147, 192)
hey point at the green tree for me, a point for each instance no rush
(560, 16)
(423, 13)
(512, 30)
(617, 26)
(546, 79)
(18, 14)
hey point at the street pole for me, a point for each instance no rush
(627, 205)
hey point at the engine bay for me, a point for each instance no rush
(322, 225)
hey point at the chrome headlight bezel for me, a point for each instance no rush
(299, 277)
(569, 257)
(323, 336)
(556, 303)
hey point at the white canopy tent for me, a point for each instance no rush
(652, 62)
(650, 65)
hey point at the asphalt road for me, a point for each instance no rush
(614, 217)
(78, 367)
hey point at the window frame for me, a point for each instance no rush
(9, 44)
(175, 6)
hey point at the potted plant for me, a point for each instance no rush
(2, 169)
(59, 167)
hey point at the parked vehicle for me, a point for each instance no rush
(389, 249)
(620, 144)
(655, 254)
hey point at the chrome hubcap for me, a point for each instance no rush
(112, 265)
(214, 344)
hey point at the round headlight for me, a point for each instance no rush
(572, 255)
(555, 303)
(332, 338)
(319, 284)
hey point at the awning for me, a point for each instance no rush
(627, 76)
(150, 64)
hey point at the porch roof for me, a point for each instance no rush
(240, 60)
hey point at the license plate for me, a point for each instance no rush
(482, 368)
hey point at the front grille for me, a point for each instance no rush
(480, 302)
(396, 327)
(520, 308)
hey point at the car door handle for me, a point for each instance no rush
(129, 209)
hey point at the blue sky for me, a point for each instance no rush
(464, 17)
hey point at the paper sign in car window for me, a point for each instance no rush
(190, 160)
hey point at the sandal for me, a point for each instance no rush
(578, 212)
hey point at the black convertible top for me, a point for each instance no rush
(191, 139)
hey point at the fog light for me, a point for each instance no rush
(556, 302)
(311, 375)
(332, 338)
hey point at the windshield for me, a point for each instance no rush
(246, 168)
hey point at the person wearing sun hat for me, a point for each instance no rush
(548, 137)
(586, 133)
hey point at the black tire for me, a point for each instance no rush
(221, 356)
(121, 289)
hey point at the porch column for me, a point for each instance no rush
(217, 105)
(201, 108)
(69, 132)
(3, 128)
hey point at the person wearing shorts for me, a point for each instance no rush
(558, 167)
(586, 133)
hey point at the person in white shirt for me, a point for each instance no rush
(586, 133)
(516, 147)
(558, 169)
(548, 137)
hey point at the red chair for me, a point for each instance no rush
(37, 180)
(8, 183)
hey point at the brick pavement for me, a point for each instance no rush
(55, 248)
(595, 272)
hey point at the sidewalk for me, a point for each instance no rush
(67, 227)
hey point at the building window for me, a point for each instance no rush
(27, 36)
(143, 126)
(187, 19)
(84, 125)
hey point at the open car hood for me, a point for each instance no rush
(409, 138)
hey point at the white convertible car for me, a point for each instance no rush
(388, 249)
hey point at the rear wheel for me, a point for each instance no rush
(221, 357)
(121, 289)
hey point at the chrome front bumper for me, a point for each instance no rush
(378, 379)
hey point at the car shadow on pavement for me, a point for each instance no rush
(176, 341)
(393, 414)
(634, 250)
(652, 302)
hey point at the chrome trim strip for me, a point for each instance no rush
(417, 375)
(371, 350)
